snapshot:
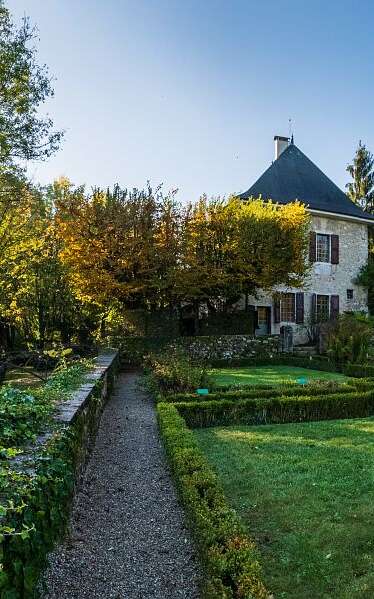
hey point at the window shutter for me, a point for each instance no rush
(299, 308)
(277, 311)
(313, 309)
(334, 249)
(334, 307)
(312, 246)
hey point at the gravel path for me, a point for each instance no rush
(128, 539)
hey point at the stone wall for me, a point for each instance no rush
(50, 470)
(228, 347)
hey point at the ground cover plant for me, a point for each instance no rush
(37, 479)
(270, 375)
(305, 491)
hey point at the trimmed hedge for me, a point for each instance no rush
(291, 390)
(358, 404)
(359, 370)
(229, 556)
(268, 392)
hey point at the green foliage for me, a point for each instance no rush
(359, 370)
(24, 134)
(261, 392)
(229, 556)
(349, 339)
(36, 498)
(24, 413)
(361, 189)
(352, 404)
(365, 278)
(173, 371)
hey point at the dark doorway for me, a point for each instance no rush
(263, 321)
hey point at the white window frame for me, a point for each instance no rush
(294, 307)
(328, 235)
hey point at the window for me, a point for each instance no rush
(322, 308)
(323, 247)
(349, 294)
(287, 306)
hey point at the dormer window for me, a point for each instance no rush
(323, 247)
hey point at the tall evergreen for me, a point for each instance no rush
(361, 189)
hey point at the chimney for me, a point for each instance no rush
(280, 143)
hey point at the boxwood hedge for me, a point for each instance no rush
(229, 556)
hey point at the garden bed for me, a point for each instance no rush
(305, 493)
(227, 544)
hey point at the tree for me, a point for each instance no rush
(361, 189)
(24, 133)
(24, 86)
(144, 250)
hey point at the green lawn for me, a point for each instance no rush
(306, 493)
(270, 375)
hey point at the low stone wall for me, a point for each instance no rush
(230, 347)
(222, 347)
(49, 471)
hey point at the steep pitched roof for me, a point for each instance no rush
(294, 177)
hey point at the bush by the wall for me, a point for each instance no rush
(357, 404)
(230, 558)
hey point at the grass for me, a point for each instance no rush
(271, 375)
(306, 493)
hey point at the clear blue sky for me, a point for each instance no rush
(190, 93)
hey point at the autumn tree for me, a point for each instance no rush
(232, 247)
(120, 245)
(142, 249)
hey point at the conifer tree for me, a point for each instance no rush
(361, 189)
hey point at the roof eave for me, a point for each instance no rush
(349, 217)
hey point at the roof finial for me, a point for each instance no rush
(290, 130)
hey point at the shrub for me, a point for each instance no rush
(359, 370)
(349, 339)
(292, 390)
(173, 371)
(230, 558)
(356, 404)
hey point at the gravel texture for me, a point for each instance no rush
(128, 538)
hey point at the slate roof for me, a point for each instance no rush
(293, 176)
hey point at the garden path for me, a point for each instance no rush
(128, 538)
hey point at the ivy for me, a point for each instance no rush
(37, 482)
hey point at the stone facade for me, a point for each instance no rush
(325, 278)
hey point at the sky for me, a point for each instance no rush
(190, 93)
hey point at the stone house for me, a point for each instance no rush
(338, 245)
